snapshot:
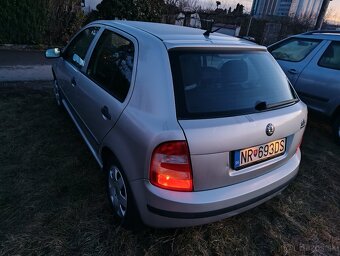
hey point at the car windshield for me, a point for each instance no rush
(223, 83)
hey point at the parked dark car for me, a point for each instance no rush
(311, 61)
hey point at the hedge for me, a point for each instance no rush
(38, 21)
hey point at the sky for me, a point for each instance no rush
(333, 13)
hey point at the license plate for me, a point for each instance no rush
(248, 156)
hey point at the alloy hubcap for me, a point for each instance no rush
(117, 190)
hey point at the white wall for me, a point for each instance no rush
(90, 5)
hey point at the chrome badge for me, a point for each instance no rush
(303, 123)
(270, 129)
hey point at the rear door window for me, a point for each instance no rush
(111, 64)
(76, 51)
(293, 49)
(218, 84)
(331, 57)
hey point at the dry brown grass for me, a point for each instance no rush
(52, 196)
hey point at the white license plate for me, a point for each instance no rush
(260, 153)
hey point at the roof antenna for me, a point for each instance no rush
(210, 26)
(209, 29)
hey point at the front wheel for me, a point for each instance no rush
(336, 129)
(120, 196)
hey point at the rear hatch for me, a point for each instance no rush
(238, 112)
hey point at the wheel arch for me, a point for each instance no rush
(134, 218)
(106, 154)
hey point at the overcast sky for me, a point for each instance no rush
(333, 10)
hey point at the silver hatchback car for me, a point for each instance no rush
(190, 127)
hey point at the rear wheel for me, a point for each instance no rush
(120, 196)
(336, 129)
(117, 191)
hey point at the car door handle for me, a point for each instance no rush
(73, 82)
(105, 113)
(292, 71)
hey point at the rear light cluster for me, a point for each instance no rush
(170, 166)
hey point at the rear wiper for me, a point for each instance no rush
(262, 105)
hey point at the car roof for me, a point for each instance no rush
(178, 35)
(333, 35)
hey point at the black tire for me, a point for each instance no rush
(118, 190)
(336, 129)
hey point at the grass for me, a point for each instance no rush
(53, 201)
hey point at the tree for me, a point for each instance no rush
(65, 17)
(111, 9)
(39, 21)
(27, 17)
(146, 10)
(149, 10)
(238, 10)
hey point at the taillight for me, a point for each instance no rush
(170, 166)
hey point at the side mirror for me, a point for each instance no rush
(53, 53)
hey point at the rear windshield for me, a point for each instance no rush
(218, 84)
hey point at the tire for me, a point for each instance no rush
(57, 93)
(336, 129)
(120, 196)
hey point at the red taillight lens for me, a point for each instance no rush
(170, 166)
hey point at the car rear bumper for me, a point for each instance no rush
(170, 209)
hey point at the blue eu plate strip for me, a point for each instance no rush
(237, 159)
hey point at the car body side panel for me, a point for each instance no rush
(67, 76)
(91, 99)
(134, 151)
(294, 69)
(150, 117)
(319, 87)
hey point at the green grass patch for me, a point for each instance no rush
(53, 201)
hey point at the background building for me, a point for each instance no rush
(305, 9)
(300, 9)
(263, 8)
(283, 7)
